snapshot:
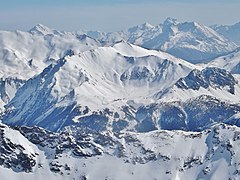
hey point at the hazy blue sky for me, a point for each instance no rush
(111, 15)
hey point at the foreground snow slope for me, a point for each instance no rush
(85, 154)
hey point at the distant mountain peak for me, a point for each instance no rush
(146, 25)
(41, 26)
(195, 24)
(85, 37)
(170, 21)
(42, 30)
(231, 32)
(142, 27)
(122, 41)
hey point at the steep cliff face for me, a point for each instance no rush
(8, 88)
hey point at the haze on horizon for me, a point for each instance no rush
(107, 15)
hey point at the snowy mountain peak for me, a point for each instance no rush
(193, 26)
(70, 86)
(232, 32)
(89, 41)
(140, 28)
(145, 26)
(84, 37)
(113, 99)
(214, 77)
(188, 40)
(41, 29)
(123, 45)
(170, 21)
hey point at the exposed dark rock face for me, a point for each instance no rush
(14, 156)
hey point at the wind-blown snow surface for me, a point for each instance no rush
(84, 154)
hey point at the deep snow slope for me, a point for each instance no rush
(77, 153)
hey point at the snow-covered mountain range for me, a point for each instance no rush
(131, 97)
(102, 86)
(86, 83)
(24, 54)
(232, 32)
(191, 41)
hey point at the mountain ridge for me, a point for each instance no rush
(72, 92)
(120, 105)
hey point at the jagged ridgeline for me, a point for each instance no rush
(125, 87)
(32, 152)
(120, 105)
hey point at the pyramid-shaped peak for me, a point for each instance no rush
(41, 26)
(41, 29)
